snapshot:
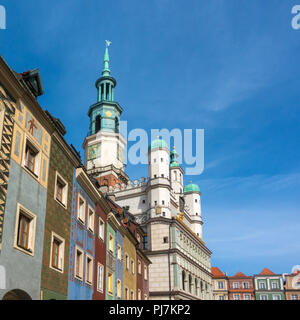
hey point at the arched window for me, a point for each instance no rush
(97, 123)
(116, 125)
(183, 280)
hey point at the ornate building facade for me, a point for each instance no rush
(169, 213)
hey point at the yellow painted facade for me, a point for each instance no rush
(129, 269)
(28, 128)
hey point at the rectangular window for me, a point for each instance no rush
(81, 209)
(61, 190)
(126, 293)
(262, 285)
(246, 297)
(101, 229)
(139, 295)
(89, 270)
(235, 285)
(236, 297)
(132, 295)
(78, 263)
(145, 273)
(276, 297)
(25, 230)
(57, 252)
(220, 285)
(100, 277)
(294, 297)
(111, 243)
(119, 288)
(31, 158)
(263, 297)
(132, 266)
(91, 218)
(127, 261)
(110, 283)
(221, 297)
(274, 285)
(246, 285)
(139, 267)
(145, 297)
(119, 252)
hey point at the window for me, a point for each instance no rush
(126, 293)
(31, 157)
(144, 201)
(154, 176)
(220, 285)
(78, 263)
(294, 297)
(89, 270)
(111, 243)
(276, 297)
(162, 175)
(247, 297)
(155, 203)
(246, 285)
(127, 261)
(166, 239)
(236, 297)
(139, 295)
(274, 285)
(132, 295)
(110, 283)
(119, 252)
(132, 266)
(263, 297)
(91, 218)
(61, 190)
(145, 297)
(57, 252)
(101, 229)
(163, 202)
(81, 209)
(139, 267)
(100, 277)
(119, 288)
(235, 285)
(196, 200)
(145, 273)
(161, 159)
(262, 285)
(221, 298)
(25, 230)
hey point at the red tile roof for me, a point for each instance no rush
(216, 272)
(239, 275)
(267, 272)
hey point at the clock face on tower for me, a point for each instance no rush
(94, 151)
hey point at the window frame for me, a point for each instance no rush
(63, 203)
(21, 210)
(79, 277)
(119, 289)
(111, 241)
(100, 278)
(103, 224)
(28, 141)
(89, 273)
(119, 252)
(91, 228)
(80, 197)
(61, 252)
(110, 275)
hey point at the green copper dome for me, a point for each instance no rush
(174, 164)
(192, 187)
(158, 143)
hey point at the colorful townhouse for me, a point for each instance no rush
(22, 223)
(102, 210)
(292, 285)
(142, 266)
(82, 238)
(63, 160)
(240, 287)
(268, 286)
(220, 284)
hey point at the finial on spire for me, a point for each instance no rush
(106, 70)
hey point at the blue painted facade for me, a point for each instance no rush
(119, 263)
(23, 271)
(84, 239)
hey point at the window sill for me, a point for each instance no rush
(61, 203)
(57, 269)
(26, 251)
(35, 176)
(78, 278)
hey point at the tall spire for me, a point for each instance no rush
(106, 70)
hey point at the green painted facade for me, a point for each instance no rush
(269, 287)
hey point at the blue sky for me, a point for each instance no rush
(230, 67)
